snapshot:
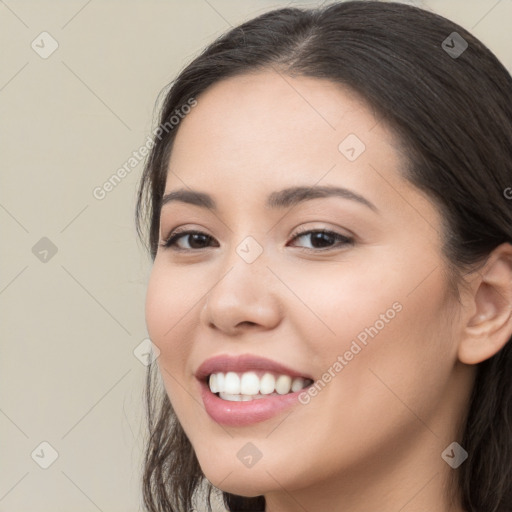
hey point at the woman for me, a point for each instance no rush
(329, 212)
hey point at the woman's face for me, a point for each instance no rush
(369, 320)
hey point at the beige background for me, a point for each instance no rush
(70, 324)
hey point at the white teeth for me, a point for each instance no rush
(241, 398)
(213, 383)
(231, 384)
(297, 384)
(283, 384)
(248, 386)
(231, 398)
(267, 384)
(220, 382)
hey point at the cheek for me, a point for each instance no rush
(170, 323)
(167, 301)
(169, 314)
(159, 307)
(392, 333)
(394, 355)
(338, 301)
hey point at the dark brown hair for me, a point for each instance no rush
(453, 117)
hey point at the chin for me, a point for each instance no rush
(242, 482)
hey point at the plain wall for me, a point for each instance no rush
(70, 321)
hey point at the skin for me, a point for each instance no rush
(372, 438)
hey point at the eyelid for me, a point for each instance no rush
(302, 230)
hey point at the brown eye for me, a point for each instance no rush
(195, 239)
(322, 239)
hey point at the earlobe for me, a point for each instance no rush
(489, 327)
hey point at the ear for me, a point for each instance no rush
(489, 325)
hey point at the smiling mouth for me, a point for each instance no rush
(254, 385)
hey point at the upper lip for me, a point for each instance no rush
(243, 363)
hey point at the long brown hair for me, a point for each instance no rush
(453, 116)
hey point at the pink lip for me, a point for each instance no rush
(239, 414)
(244, 413)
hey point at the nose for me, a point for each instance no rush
(245, 297)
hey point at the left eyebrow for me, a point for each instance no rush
(281, 199)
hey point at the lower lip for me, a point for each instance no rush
(238, 414)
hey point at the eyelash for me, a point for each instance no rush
(170, 241)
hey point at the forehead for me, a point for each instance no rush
(254, 133)
(280, 112)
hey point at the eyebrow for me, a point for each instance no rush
(276, 200)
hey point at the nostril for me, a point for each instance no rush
(250, 324)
